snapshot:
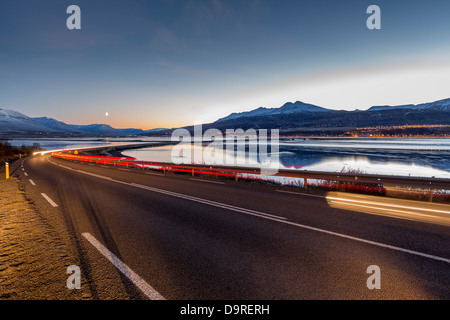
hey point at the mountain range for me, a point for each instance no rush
(288, 108)
(289, 119)
(301, 118)
(298, 108)
(16, 123)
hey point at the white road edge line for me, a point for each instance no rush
(207, 181)
(205, 201)
(32, 182)
(378, 244)
(147, 289)
(301, 194)
(179, 195)
(154, 174)
(49, 200)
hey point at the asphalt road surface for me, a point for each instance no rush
(144, 235)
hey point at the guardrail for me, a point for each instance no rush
(162, 166)
(255, 173)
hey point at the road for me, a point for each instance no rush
(146, 235)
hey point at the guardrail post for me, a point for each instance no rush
(7, 170)
(305, 183)
(236, 178)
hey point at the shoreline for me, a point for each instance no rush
(116, 151)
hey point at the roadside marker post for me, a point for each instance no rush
(7, 170)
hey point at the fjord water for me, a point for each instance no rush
(418, 157)
(70, 143)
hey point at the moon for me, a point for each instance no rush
(106, 114)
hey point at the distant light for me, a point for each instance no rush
(106, 114)
(47, 151)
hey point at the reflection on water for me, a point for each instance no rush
(385, 156)
(374, 143)
(70, 143)
(409, 157)
(379, 161)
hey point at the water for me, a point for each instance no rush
(72, 143)
(383, 156)
(406, 157)
(421, 157)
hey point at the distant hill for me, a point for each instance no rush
(57, 125)
(98, 129)
(290, 118)
(16, 123)
(443, 105)
(301, 115)
(287, 109)
(13, 122)
(304, 118)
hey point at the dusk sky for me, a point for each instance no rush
(169, 63)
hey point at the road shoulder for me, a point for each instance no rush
(33, 259)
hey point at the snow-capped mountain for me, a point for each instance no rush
(443, 105)
(13, 122)
(90, 129)
(56, 125)
(16, 123)
(299, 115)
(381, 108)
(290, 116)
(287, 108)
(97, 129)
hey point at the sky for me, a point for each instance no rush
(170, 63)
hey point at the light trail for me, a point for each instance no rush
(404, 209)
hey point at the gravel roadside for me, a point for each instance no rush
(33, 259)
